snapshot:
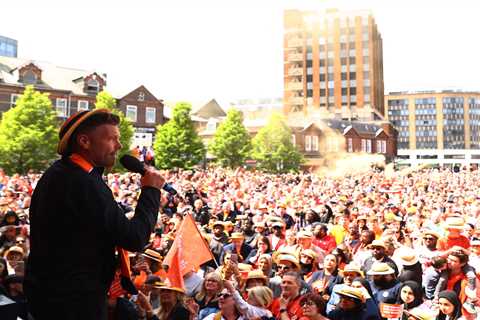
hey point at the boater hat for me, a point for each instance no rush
(71, 124)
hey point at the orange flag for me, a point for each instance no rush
(175, 270)
(194, 249)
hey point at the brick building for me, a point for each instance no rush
(72, 90)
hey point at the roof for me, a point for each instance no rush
(210, 110)
(53, 76)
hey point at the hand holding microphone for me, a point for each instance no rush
(150, 176)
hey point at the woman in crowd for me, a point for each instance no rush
(228, 308)
(265, 264)
(411, 296)
(352, 306)
(263, 247)
(172, 305)
(259, 299)
(207, 299)
(325, 279)
(449, 306)
(313, 307)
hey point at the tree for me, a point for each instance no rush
(177, 144)
(273, 148)
(231, 144)
(106, 101)
(28, 134)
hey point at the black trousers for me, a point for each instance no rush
(82, 307)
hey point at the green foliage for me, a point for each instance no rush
(231, 144)
(273, 148)
(106, 101)
(28, 134)
(177, 144)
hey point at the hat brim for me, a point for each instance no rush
(151, 257)
(380, 273)
(64, 141)
(346, 294)
(408, 263)
(172, 289)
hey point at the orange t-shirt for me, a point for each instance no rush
(294, 309)
(446, 243)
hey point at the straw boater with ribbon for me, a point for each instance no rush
(73, 211)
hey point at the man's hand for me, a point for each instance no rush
(152, 178)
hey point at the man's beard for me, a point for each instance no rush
(381, 283)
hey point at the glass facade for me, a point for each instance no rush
(398, 115)
(453, 123)
(8, 47)
(474, 122)
(426, 123)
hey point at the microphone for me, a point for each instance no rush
(132, 164)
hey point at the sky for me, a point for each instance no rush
(229, 50)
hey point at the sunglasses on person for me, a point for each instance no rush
(20, 241)
(428, 238)
(308, 304)
(224, 295)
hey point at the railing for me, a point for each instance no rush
(294, 86)
(295, 71)
(295, 57)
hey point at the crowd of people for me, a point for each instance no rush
(369, 245)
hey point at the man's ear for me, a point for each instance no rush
(83, 141)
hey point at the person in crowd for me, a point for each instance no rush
(352, 306)
(429, 249)
(450, 307)
(263, 247)
(322, 239)
(323, 281)
(277, 237)
(378, 248)
(361, 251)
(207, 298)
(287, 305)
(229, 309)
(384, 283)
(172, 305)
(411, 268)
(259, 299)
(238, 247)
(313, 307)
(411, 296)
(218, 241)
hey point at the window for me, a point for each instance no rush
(381, 146)
(29, 77)
(314, 143)
(131, 113)
(350, 145)
(82, 105)
(150, 115)
(364, 145)
(13, 99)
(141, 96)
(93, 85)
(369, 146)
(61, 106)
(211, 125)
(308, 143)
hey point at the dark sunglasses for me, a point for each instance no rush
(20, 241)
(224, 295)
(428, 238)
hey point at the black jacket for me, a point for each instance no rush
(75, 226)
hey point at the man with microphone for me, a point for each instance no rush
(76, 223)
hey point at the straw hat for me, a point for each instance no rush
(309, 253)
(431, 232)
(351, 292)
(218, 223)
(304, 235)
(419, 314)
(287, 258)
(455, 223)
(71, 124)
(168, 287)
(406, 256)
(152, 254)
(353, 267)
(380, 268)
(237, 235)
(277, 224)
(377, 243)
(256, 274)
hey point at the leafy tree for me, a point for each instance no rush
(28, 134)
(106, 101)
(177, 144)
(231, 144)
(273, 148)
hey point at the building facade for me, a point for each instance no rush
(333, 65)
(8, 47)
(436, 126)
(72, 90)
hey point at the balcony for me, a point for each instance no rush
(294, 43)
(295, 57)
(295, 71)
(293, 86)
